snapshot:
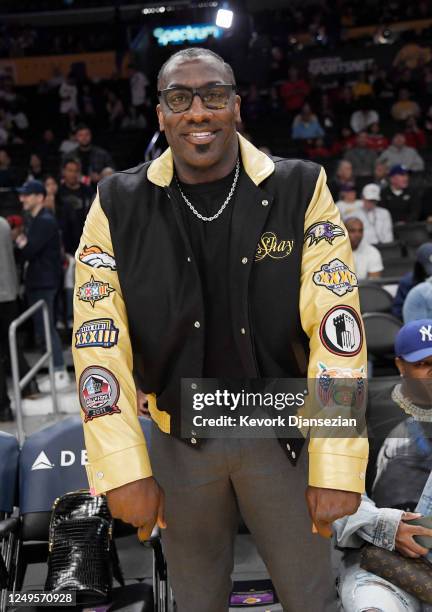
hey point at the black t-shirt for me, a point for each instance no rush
(210, 242)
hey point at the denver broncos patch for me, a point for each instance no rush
(94, 257)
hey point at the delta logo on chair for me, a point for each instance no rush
(67, 459)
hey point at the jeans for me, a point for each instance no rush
(48, 295)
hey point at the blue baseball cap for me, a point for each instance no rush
(414, 340)
(30, 187)
(398, 169)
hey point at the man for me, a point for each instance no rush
(9, 310)
(40, 247)
(399, 198)
(364, 117)
(93, 159)
(348, 203)
(398, 154)
(138, 85)
(367, 258)
(418, 302)
(188, 245)
(74, 199)
(361, 157)
(377, 221)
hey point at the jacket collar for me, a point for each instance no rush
(258, 165)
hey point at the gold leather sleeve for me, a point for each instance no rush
(336, 463)
(116, 447)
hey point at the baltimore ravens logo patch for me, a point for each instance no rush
(323, 230)
(94, 257)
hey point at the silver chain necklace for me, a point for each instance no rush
(420, 414)
(222, 208)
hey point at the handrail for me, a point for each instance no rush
(151, 147)
(20, 383)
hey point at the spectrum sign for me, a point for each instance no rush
(176, 35)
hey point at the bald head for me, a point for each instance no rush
(190, 55)
(355, 231)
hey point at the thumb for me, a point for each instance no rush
(144, 533)
(409, 516)
(161, 511)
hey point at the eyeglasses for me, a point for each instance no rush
(179, 99)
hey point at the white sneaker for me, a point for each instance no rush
(61, 379)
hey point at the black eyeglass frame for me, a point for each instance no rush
(196, 91)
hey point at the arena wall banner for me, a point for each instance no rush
(32, 70)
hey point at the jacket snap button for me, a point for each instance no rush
(242, 330)
(361, 475)
(193, 432)
(293, 455)
(194, 386)
(193, 441)
(264, 202)
(197, 324)
(244, 260)
(189, 259)
(100, 474)
(288, 447)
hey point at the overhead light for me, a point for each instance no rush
(224, 18)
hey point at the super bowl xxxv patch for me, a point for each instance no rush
(336, 277)
(323, 230)
(94, 257)
(341, 331)
(96, 333)
(93, 290)
(98, 392)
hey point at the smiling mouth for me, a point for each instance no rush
(200, 137)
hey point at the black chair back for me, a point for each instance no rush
(374, 298)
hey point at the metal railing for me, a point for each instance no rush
(20, 383)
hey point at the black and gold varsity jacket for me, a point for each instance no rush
(138, 306)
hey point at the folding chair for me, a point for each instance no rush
(51, 464)
(381, 329)
(9, 454)
(374, 298)
(412, 235)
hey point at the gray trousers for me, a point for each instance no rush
(205, 489)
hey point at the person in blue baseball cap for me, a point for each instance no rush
(32, 187)
(399, 485)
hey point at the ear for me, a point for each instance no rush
(160, 117)
(400, 365)
(237, 105)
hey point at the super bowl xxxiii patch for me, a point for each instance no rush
(341, 331)
(94, 257)
(98, 392)
(93, 290)
(96, 333)
(336, 277)
(323, 230)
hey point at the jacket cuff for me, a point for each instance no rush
(386, 527)
(342, 472)
(118, 469)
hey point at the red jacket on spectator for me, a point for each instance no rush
(415, 139)
(377, 142)
(293, 94)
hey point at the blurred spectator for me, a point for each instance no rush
(345, 105)
(377, 221)
(48, 146)
(87, 104)
(110, 171)
(361, 157)
(398, 154)
(92, 158)
(418, 302)
(362, 87)
(367, 258)
(35, 170)
(8, 177)
(68, 145)
(411, 56)
(381, 174)
(376, 139)
(346, 141)
(306, 125)
(422, 269)
(414, 136)
(348, 203)
(68, 94)
(383, 87)
(138, 84)
(399, 198)
(404, 107)
(74, 199)
(115, 110)
(9, 310)
(363, 118)
(40, 247)
(294, 91)
(51, 189)
(344, 176)
(428, 120)
(318, 150)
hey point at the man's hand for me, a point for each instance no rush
(404, 541)
(140, 503)
(327, 505)
(142, 404)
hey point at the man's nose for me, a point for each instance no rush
(197, 110)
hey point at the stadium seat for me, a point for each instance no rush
(389, 250)
(51, 464)
(411, 236)
(381, 329)
(397, 267)
(374, 298)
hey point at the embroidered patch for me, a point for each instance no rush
(94, 257)
(93, 290)
(341, 331)
(98, 392)
(334, 391)
(97, 333)
(269, 245)
(336, 277)
(323, 230)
